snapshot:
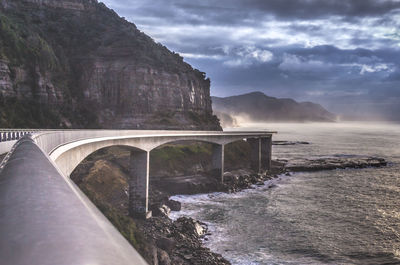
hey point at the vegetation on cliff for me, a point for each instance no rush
(91, 68)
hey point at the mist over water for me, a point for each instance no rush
(349, 216)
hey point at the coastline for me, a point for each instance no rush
(161, 240)
(183, 240)
(266, 180)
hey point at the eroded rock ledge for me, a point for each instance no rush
(304, 165)
(289, 142)
(237, 180)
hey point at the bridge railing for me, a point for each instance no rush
(13, 134)
(49, 139)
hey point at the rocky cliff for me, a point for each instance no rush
(259, 107)
(76, 63)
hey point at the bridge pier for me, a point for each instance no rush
(255, 153)
(260, 156)
(139, 184)
(218, 160)
(266, 153)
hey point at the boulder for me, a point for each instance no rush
(163, 257)
(191, 227)
(162, 210)
(166, 244)
(174, 205)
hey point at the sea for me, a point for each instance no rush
(344, 216)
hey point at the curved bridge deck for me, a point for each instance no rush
(46, 219)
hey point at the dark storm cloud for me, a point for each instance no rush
(339, 53)
(334, 55)
(306, 9)
(239, 11)
(177, 22)
(395, 77)
(324, 74)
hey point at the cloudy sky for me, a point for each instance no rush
(342, 54)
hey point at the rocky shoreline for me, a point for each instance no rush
(160, 240)
(177, 242)
(182, 240)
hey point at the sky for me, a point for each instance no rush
(342, 54)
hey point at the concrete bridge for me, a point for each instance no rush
(46, 219)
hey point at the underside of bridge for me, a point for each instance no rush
(139, 166)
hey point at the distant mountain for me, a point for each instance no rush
(259, 107)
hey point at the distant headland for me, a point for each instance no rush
(257, 106)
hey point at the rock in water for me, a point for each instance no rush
(162, 210)
(174, 205)
(289, 142)
(191, 227)
(334, 163)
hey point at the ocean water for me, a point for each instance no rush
(349, 216)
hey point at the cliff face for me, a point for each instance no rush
(87, 67)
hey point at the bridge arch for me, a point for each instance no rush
(208, 153)
(68, 156)
(215, 140)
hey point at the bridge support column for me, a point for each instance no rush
(255, 153)
(266, 153)
(218, 160)
(139, 184)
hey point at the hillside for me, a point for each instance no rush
(77, 64)
(259, 107)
